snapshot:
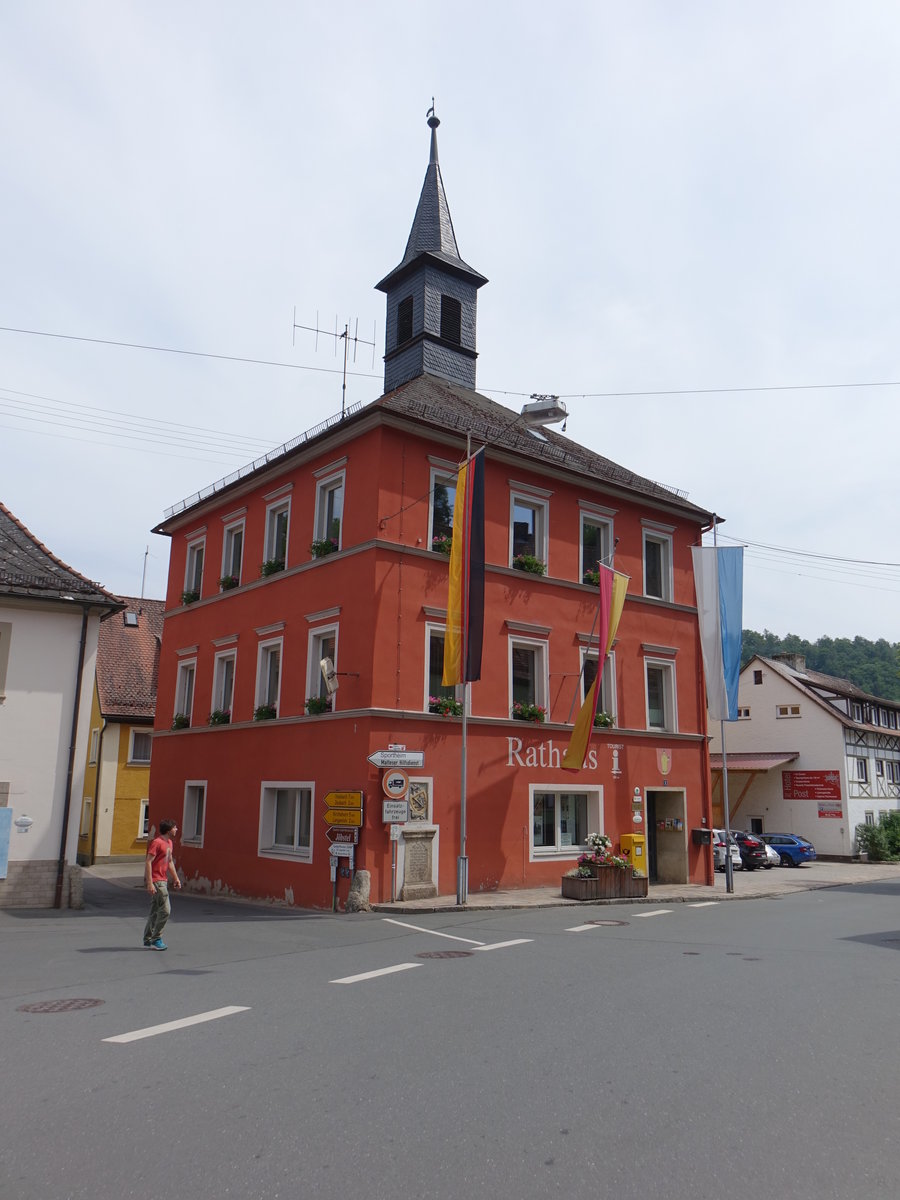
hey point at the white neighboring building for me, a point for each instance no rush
(49, 619)
(810, 754)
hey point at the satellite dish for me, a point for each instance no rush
(329, 675)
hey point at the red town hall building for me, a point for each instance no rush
(335, 548)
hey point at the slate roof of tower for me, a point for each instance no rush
(128, 660)
(28, 568)
(448, 406)
(432, 234)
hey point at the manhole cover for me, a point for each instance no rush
(48, 1006)
(445, 954)
(606, 922)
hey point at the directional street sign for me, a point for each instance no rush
(341, 850)
(351, 817)
(342, 835)
(343, 800)
(397, 758)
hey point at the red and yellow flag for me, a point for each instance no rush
(613, 587)
(465, 599)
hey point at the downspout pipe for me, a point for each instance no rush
(76, 707)
(92, 853)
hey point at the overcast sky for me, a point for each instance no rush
(688, 214)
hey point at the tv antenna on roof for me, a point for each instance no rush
(346, 337)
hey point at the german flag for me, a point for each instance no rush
(465, 600)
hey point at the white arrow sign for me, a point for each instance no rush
(397, 758)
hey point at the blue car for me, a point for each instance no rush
(792, 850)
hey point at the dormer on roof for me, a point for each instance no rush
(431, 295)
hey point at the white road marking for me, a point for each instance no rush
(500, 945)
(153, 1030)
(581, 928)
(704, 904)
(375, 974)
(419, 929)
(657, 912)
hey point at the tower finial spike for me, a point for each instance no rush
(433, 123)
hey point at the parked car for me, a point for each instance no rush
(719, 841)
(773, 858)
(791, 849)
(752, 848)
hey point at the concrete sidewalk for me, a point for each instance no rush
(748, 885)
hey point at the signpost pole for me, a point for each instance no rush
(393, 871)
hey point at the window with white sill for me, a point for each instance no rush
(562, 819)
(660, 692)
(223, 681)
(184, 689)
(443, 499)
(268, 674)
(528, 527)
(330, 510)
(285, 820)
(193, 822)
(193, 572)
(528, 682)
(596, 545)
(606, 700)
(232, 553)
(322, 644)
(657, 565)
(139, 748)
(277, 522)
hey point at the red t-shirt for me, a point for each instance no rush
(159, 852)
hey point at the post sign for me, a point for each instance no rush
(395, 812)
(397, 758)
(810, 785)
(351, 817)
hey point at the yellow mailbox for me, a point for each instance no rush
(635, 846)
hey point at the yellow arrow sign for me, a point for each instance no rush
(351, 817)
(343, 800)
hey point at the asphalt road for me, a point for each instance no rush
(719, 1050)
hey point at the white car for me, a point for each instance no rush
(773, 858)
(719, 843)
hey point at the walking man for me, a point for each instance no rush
(159, 866)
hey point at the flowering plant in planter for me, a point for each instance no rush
(220, 716)
(265, 712)
(592, 578)
(442, 543)
(603, 720)
(181, 721)
(227, 582)
(528, 562)
(271, 566)
(189, 596)
(318, 704)
(529, 712)
(447, 706)
(322, 546)
(599, 854)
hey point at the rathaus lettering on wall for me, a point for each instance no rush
(544, 755)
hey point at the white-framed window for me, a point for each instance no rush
(285, 820)
(561, 819)
(330, 509)
(232, 552)
(528, 681)
(879, 768)
(662, 712)
(893, 772)
(184, 689)
(856, 711)
(193, 568)
(278, 517)
(323, 642)
(435, 637)
(596, 544)
(87, 807)
(861, 770)
(743, 714)
(143, 833)
(528, 527)
(869, 818)
(657, 565)
(95, 746)
(606, 701)
(787, 710)
(440, 515)
(139, 748)
(194, 820)
(268, 673)
(223, 681)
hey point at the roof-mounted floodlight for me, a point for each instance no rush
(544, 410)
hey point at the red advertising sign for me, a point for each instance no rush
(827, 809)
(810, 785)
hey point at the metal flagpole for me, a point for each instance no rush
(729, 867)
(462, 863)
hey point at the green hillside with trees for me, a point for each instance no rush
(872, 666)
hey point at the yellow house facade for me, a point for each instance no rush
(114, 805)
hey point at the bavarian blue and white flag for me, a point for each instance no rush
(719, 581)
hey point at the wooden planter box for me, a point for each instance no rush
(609, 884)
